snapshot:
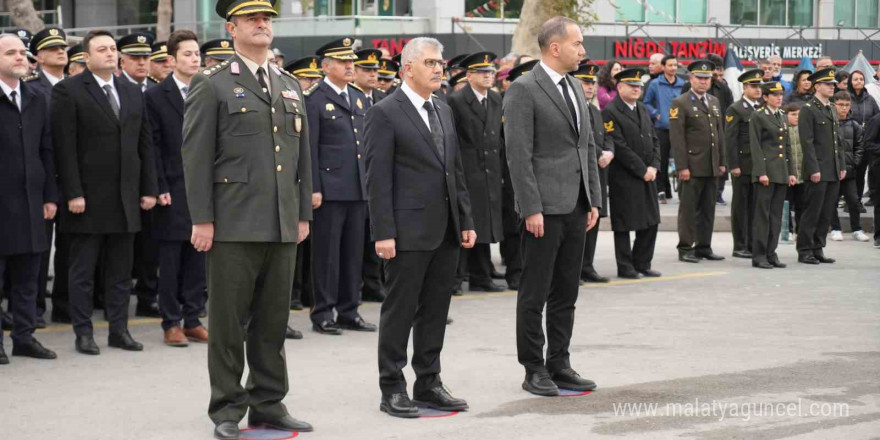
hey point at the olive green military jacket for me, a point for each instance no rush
(697, 135)
(246, 155)
(818, 127)
(770, 146)
(736, 136)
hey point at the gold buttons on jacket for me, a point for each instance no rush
(780, 147)
(275, 129)
(273, 109)
(225, 180)
(355, 130)
(277, 148)
(780, 138)
(359, 156)
(243, 109)
(780, 154)
(278, 168)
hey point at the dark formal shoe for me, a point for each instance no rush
(762, 265)
(808, 259)
(399, 405)
(488, 287)
(688, 258)
(650, 273)
(457, 291)
(630, 275)
(87, 345)
(540, 384)
(496, 275)
(513, 286)
(449, 320)
(147, 310)
(327, 328)
(124, 341)
(40, 322)
(226, 431)
(296, 305)
(4, 360)
(358, 325)
(777, 264)
(60, 317)
(593, 277)
(571, 380)
(292, 334)
(439, 398)
(34, 350)
(742, 254)
(285, 423)
(711, 256)
(824, 259)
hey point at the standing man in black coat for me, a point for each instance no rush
(421, 216)
(27, 194)
(477, 111)
(632, 177)
(181, 268)
(604, 155)
(101, 136)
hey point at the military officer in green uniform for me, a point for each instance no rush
(248, 176)
(739, 161)
(696, 132)
(772, 174)
(824, 168)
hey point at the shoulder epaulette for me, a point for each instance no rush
(286, 73)
(311, 89)
(29, 78)
(153, 79)
(211, 71)
(354, 86)
(436, 95)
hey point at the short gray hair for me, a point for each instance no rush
(553, 28)
(414, 48)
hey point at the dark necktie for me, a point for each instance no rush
(436, 128)
(483, 103)
(185, 90)
(370, 100)
(564, 84)
(344, 96)
(108, 90)
(261, 77)
(14, 100)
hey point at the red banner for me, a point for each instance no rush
(639, 48)
(394, 45)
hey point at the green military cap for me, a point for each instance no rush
(824, 76)
(306, 67)
(388, 68)
(481, 61)
(338, 49)
(220, 49)
(368, 58)
(772, 88)
(753, 76)
(160, 51)
(46, 38)
(701, 68)
(586, 72)
(632, 76)
(522, 69)
(137, 44)
(76, 54)
(230, 8)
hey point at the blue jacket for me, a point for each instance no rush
(658, 98)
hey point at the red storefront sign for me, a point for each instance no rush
(394, 45)
(640, 48)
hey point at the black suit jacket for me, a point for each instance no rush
(413, 192)
(165, 111)
(107, 160)
(27, 173)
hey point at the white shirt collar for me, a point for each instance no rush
(52, 79)
(180, 85)
(333, 86)
(554, 75)
(480, 96)
(7, 91)
(414, 97)
(700, 96)
(253, 66)
(631, 107)
(750, 102)
(102, 83)
(131, 80)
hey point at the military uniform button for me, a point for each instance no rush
(352, 117)
(273, 109)
(359, 156)
(278, 168)
(275, 129)
(780, 154)
(355, 130)
(333, 118)
(225, 180)
(357, 142)
(277, 148)
(243, 109)
(780, 138)
(780, 147)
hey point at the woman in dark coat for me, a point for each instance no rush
(863, 109)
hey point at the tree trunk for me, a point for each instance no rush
(24, 15)
(533, 14)
(164, 11)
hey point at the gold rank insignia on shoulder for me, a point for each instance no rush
(673, 113)
(808, 104)
(359, 104)
(329, 107)
(311, 89)
(609, 126)
(729, 118)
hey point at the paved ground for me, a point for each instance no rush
(712, 332)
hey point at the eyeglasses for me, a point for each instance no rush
(434, 63)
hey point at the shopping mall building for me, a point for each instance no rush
(625, 29)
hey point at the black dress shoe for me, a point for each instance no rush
(571, 380)
(296, 305)
(292, 334)
(399, 405)
(449, 320)
(824, 259)
(226, 431)
(711, 256)
(630, 274)
(124, 341)
(4, 360)
(688, 257)
(358, 325)
(650, 273)
(808, 259)
(486, 287)
(439, 398)
(327, 328)
(147, 310)
(762, 265)
(742, 254)
(34, 350)
(285, 423)
(87, 345)
(513, 285)
(593, 277)
(457, 291)
(540, 384)
(776, 263)
(496, 275)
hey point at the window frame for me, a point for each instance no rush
(676, 18)
(813, 13)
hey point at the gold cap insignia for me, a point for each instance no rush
(164, 48)
(142, 39)
(313, 64)
(346, 42)
(704, 67)
(53, 32)
(22, 33)
(224, 44)
(372, 57)
(486, 60)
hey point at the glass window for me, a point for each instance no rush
(663, 12)
(630, 11)
(744, 12)
(800, 12)
(867, 13)
(692, 11)
(512, 8)
(844, 10)
(773, 12)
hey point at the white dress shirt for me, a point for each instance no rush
(102, 83)
(556, 77)
(418, 102)
(480, 96)
(142, 85)
(52, 80)
(340, 91)
(253, 66)
(8, 92)
(750, 102)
